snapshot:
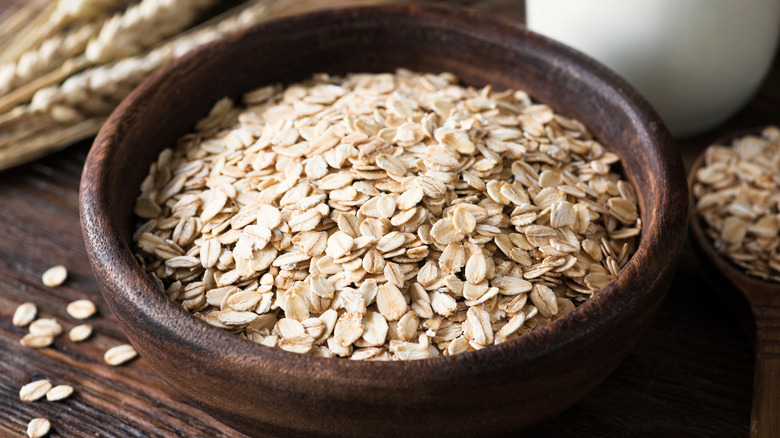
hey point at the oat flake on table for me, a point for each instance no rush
(81, 309)
(384, 216)
(38, 427)
(120, 355)
(59, 392)
(34, 390)
(45, 327)
(25, 314)
(80, 332)
(36, 341)
(55, 276)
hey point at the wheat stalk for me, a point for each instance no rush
(69, 11)
(137, 28)
(55, 19)
(21, 29)
(17, 21)
(62, 114)
(47, 141)
(90, 91)
(51, 54)
(142, 26)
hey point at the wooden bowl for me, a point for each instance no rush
(756, 303)
(497, 390)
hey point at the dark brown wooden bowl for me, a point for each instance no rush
(504, 388)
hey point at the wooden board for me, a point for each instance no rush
(690, 375)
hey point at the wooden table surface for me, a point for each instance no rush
(690, 375)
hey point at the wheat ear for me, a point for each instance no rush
(51, 54)
(142, 26)
(65, 113)
(53, 19)
(129, 33)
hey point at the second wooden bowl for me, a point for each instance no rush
(755, 301)
(497, 390)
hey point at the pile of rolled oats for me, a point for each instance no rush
(737, 192)
(384, 216)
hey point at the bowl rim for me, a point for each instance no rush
(109, 252)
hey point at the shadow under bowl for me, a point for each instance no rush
(497, 390)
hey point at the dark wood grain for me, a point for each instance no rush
(690, 374)
(760, 312)
(232, 378)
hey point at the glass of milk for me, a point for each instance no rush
(696, 61)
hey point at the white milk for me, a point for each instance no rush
(696, 61)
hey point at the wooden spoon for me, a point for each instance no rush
(760, 306)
